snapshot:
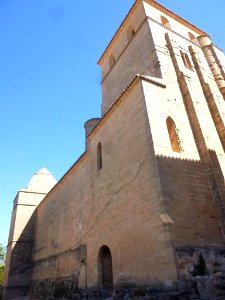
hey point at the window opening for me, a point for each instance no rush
(112, 60)
(186, 60)
(165, 22)
(173, 135)
(130, 33)
(192, 37)
(99, 157)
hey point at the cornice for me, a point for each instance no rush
(156, 81)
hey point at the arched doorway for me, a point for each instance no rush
(105, 268)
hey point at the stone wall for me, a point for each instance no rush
(192, 179)
(189, 203)
(201, 276)
(18, 267)
(145, 197)
(20, 264)
(117, 206)
(202, 271)
(133, 56)
(160, 212)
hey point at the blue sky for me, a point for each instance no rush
(50, 82)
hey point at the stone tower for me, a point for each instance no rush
(182, 74)
(22, 230)
(144, 205)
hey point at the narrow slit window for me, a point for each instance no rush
(130, 33)
(112, 61)
(165, 22)
(99, 157)
(186, 60)
(173, 135)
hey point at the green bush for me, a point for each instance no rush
(2, 267)
(2, 262)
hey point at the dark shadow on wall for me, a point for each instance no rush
(189, 188)
(194, 200)
(20, 267)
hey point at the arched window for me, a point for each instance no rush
(192, 37)
(130, 33)
(173, 135)
(112, 61)
(99, 157)
(186, 60)
(165, 22)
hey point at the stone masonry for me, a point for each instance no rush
(142, 212)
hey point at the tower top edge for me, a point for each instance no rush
(161, 8)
